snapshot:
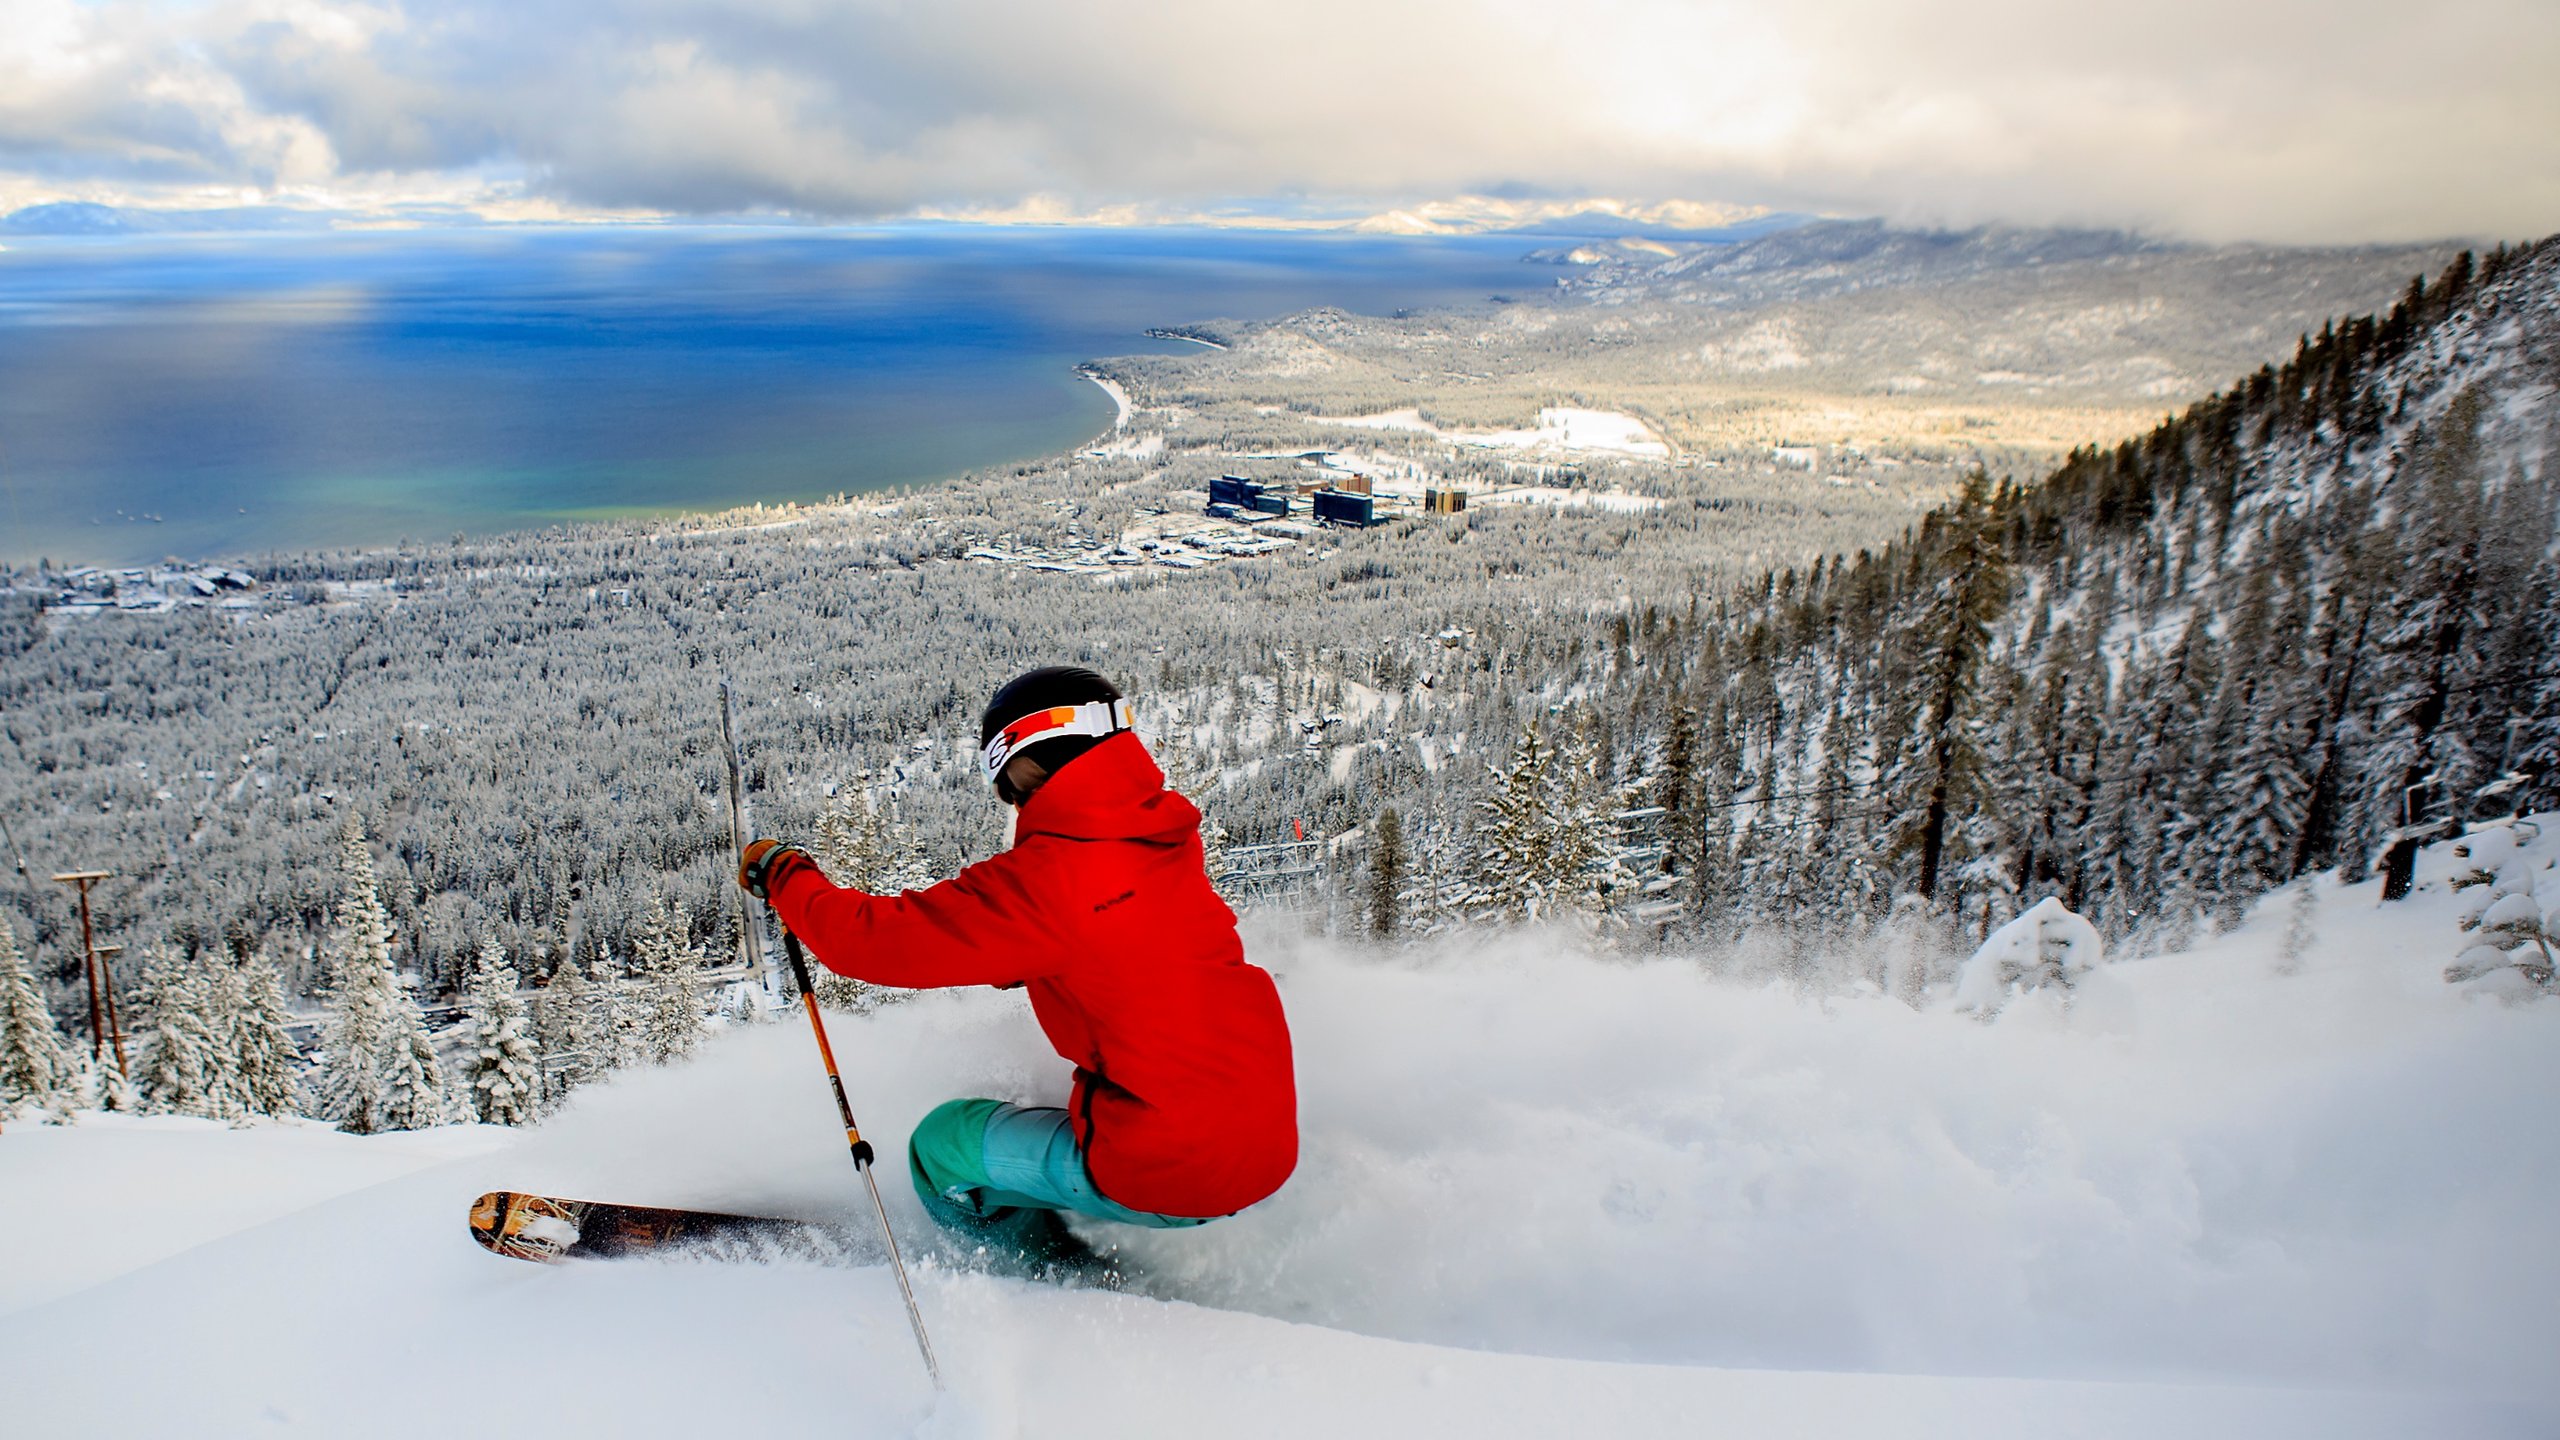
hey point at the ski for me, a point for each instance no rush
(547, 1228)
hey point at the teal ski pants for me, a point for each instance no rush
(979, 1164)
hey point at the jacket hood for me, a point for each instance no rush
(1111, 792)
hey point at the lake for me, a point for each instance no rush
(230, 397)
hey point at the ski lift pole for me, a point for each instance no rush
(862, 1155)
(751, 928)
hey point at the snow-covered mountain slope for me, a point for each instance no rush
(2289, 1183)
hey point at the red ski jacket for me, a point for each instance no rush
(1185, 1100)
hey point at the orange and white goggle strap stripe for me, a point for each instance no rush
(1096, 718)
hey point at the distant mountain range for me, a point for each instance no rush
(1603, 219)
(78, 217)
(1584, 219)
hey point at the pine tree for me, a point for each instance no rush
(2261, 791)
(618, 1004)
(1589, 865)
(564, 1028)
(35, 1065)
(413, 1094)
(1704, 847)
(380, 1071)
(1832, 866)
(2534, 757)
(185, 1069)
(103, 1085)
(669, 988)
(504, 1073)
(1511, 833)
(1386, 876)
(1938, 768)
(1539, 836)
(1192, 775)
(1679, 781)
(267, 1064)
(861, 849)
(2421, 767)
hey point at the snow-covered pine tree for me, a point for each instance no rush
(1539, 836)
(2190, 758)
(2127, 835)
(380, 1070)
(1590, 863)
(35, 1065)
(2537, 736)
(617, 1000)
(413, 1095)
(1678, 785)
(2262, 792)
(504, 1073)
(669, 971)
(861, 848)
(1938, 768)
(1386, 875)
(2420, 769)
(2511, 943)
(184, 1069)
(267, 1065)
(1834, 867)
(103, 1085)
(1703, 849)
(2344, 622)
(225, 996)
(1192, 775)
(1511, 833)
(564, 1021)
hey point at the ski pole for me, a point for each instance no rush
(862, 1155)
(861, 1148)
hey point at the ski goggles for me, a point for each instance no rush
(1097, 719)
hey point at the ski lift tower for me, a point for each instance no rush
(755, 956)
(1263, 875)
(101, 979)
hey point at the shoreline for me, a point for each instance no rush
(1119, 396)
(1185, 336)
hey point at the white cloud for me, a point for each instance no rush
(2280, 119)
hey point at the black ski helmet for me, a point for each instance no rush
(1049, 688)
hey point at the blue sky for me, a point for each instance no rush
(2267, 119)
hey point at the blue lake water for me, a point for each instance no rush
(240, 396)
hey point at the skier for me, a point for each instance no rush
(1184, 1108)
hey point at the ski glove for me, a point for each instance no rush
(768, 864)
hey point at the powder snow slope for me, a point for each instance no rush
(2219, 1194)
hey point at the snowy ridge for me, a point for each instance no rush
(2251, 1191)
(2306, 624)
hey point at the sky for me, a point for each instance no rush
(2276, 120)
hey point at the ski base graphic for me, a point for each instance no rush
(524, 1226)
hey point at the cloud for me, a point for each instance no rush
(2284, 119)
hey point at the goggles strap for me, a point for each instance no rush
(1096, 718)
